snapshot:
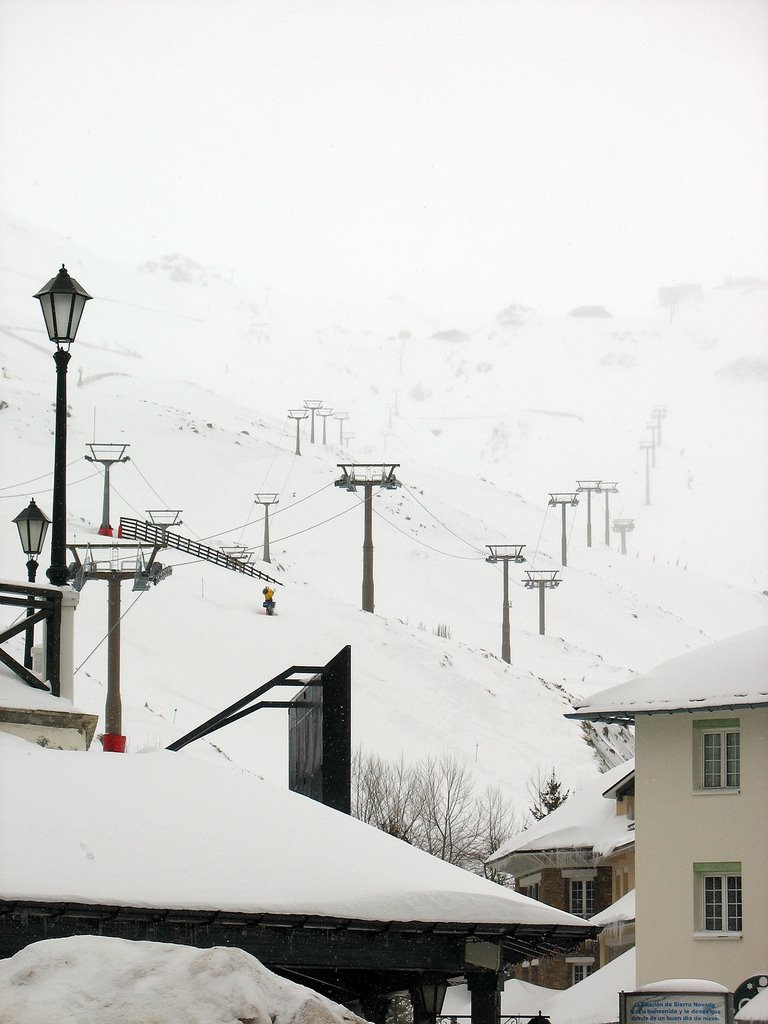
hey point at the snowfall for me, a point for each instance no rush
(483, 420)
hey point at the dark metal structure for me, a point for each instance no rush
(319, 727)
(151, 533)
(42, 604)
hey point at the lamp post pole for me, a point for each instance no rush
(62, 300)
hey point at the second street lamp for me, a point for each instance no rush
(62, 300)
(32, 525)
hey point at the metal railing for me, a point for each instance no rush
(41, 604)
(136, 529)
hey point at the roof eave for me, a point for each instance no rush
(625, 716)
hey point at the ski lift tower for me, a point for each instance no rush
(115, 563)
(266, 499)
(647, 446)
(107, 455)
(652, 426)
(324, 414)
(368, 475)
(590, 487)
(659, 413)
(608, 487)
(563, 498)
(623, 527)
(341, 417)
(505, 553)
(542, 580)
(298, 415)
(312, 404)
(164, 518)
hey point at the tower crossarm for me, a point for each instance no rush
(356, 474)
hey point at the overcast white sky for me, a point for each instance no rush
(467, 153)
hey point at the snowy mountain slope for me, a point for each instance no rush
(197, 376)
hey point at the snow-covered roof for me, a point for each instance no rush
(622, 910)
(595, 1000)
(729, 674)
(756, 1010)
(585, 821)
(85, 978)
(165, 830)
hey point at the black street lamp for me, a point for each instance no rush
(32, 525)
(62, 300)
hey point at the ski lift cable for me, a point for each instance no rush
(233, 529)
(275, 450)
(538, 542)
(448, 554)
(469, 544)
(21, 483)
(159, 498)
(49, 490)
(98, 645)
(288, 536)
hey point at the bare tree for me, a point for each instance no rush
(449, 821)
(432, 805)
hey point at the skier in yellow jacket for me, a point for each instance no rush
(269, 603)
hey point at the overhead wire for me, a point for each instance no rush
(98, 645)
(48, 490)
(409, 491)
(21, 483)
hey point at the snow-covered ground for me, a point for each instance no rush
(197, 376)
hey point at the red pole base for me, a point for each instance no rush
(105, 531)
(114, 743)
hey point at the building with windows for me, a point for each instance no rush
(579, 858)
(701, 775)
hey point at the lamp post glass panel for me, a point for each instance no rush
(62, 301)
(32, 525)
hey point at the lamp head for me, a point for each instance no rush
(62, 301)
(32, 525)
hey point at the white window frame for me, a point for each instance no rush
(582, 884)
(722, 881)
(727, 776)
(584, 969)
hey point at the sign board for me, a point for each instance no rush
(675, 1008)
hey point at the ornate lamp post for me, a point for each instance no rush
(32, 525)
(62, 300)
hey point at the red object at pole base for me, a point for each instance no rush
(114, 743)
(105, 531)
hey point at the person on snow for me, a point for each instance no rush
(269, 603)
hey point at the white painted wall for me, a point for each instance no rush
(677, 828)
